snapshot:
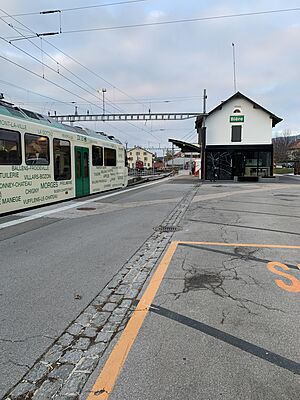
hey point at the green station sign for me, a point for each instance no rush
(236, 118)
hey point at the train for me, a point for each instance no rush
(43, 161)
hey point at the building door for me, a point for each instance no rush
(82, 181)
(238, 161)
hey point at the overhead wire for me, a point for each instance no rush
(117, 108)
(180, 21)
(81, 8)
(53, 59)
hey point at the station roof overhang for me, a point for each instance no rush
(186, 147)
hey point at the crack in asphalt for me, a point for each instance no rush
(25, 339)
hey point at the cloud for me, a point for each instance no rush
(160, 62)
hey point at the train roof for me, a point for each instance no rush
(10, 110)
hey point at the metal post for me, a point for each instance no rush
(103, 102)
(234, 74)
(202, 138)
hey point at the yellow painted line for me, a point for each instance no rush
(266, 246)
(116, 360)
(112, 368)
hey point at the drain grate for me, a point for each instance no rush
(86, 209)
(167, 228)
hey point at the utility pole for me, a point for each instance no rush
(202, 137)
(103, 102)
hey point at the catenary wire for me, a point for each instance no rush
(117, 108)
(82, 8)
(115, 87)
(180, 21)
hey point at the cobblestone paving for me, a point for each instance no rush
(63, 370)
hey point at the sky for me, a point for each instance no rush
(164, 67)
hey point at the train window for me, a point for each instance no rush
(110, 157)
(62, 159)
(97, 155)
(36, 149)
(10, 147)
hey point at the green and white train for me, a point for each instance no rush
(43, 161)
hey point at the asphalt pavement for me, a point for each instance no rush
(225, 320)
(84, 316)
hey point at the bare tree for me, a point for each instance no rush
(281, 146)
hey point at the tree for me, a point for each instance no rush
(281, 146)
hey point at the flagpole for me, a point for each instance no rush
(234, 74)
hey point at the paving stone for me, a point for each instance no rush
(119, 311)
(62, 372)
(90, 332)
(71, 356)
(54, 353)
(99, 300)
(65, 340)
(38, 372)
(82, 344)
(47, 390)
(73, 396)
(21, 390)
(125, 304)
(130, 276)
(142, 276)
(84, 319)
(90, 310)
(106, 292)
(110, 326)
(104, 336)
(74, 384)
(87, 365)
(114, 282)
(122, 289)
(109, 307)
(96, 350)
(116, 298)
(118, 318)
(132, 293)
(74, 329)
(100, 319)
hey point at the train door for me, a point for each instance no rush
(82, 180)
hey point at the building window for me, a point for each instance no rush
(145, 158)
(137, 153)
(97, 155)
(36, 149)
(10, 147)
(62, 159)
(145, 153)
(236, 133)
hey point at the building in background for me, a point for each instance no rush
(237, 138)
(140, 158)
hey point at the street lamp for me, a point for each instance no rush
(103, 91)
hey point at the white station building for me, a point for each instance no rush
(238, 140)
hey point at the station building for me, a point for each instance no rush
(237, 138)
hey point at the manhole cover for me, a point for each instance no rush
(167, 228)
(86, 209)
